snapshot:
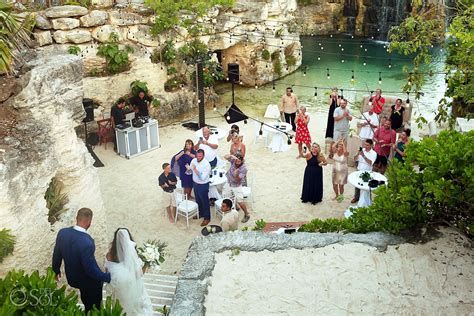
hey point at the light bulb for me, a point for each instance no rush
(228, 117)
(329, 77)
(304, 73)
(364, 63)
(245, 121)
(342, 60)
(370, 103)
(319, 58)
(215, 108)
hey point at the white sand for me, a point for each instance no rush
(133, 199)
(431, 279)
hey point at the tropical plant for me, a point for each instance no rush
(136, 86)
(116, 58)
(55, 200)
(7, 243)
(194, 50)
(171, 71)
(74, 50)
(14, 36)
(168, 53)
(435, 185)
(35, 294)
(265, 54)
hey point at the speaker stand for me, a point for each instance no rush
(97, 162)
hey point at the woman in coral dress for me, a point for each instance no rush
(302, 132)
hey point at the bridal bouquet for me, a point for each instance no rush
(152, 253)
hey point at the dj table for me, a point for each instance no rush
(134, 141)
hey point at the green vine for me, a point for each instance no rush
(116, 58)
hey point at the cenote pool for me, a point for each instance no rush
(354, 52)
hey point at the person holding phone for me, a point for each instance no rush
(365, 159)
(183, 159)
(209, 143)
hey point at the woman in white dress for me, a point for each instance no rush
(126, 271)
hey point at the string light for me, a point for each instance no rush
(215, 108)
(364, 63)
(256, 85)
(409, 79)
(273, 88)
(352, 77)
(260, 132)
(315, 91)
(370, 100)
(380, 77)
(328, 75)
(390, 64)
(342, 93)
(408, 98)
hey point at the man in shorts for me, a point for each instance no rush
(235, 177)
(167, 181)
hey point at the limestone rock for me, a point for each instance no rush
(42, 22)
(102, 33)
(65, 23)
(102, 3)
(65, 11)
(74, 36)
(43, 38)
(94, 18)
(141, 34)
(126, 18)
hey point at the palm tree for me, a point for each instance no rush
(14, 35)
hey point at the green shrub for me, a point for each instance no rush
(193, 51)
(136, 86)
(290, 61)
(277, 67)
(155, 56)
(434, 185)
(212, 72)
(266, 54)
(55, 200)
(275, 55)
(156, 103)
(168, 53)
(174, 83)
(116, 58)
(259, 224)
(94, 72)
(171, 71)
(74, 50)
(7, 243)
(35, 294)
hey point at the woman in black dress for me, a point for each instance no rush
(333, 103)
(313, 176)
(396, 114)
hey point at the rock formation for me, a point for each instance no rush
(37, 143)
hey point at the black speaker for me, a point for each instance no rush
(234, 115)
(233, 72)
(88, 105)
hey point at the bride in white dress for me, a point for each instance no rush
(126, 273)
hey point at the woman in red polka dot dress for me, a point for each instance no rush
(302, 132)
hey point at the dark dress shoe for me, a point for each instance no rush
(205, 222)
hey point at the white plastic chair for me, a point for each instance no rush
(218, 203)
(185, 207)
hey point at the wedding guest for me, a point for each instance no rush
(339, 170)
(201, 169)
(141, 103)
(183, 159)
(378, 101)
(233, 129)
(365, 159)
(167, 181)
(342, 117)
(288, 107)
(209, 144)
(368, 124)
(396, 114)
(76, 248)
(237, 147)
(333, 104)
(230, 217)
(302, 132)
(400, 146)
(235, 177)
(384, 138)
(313, 176)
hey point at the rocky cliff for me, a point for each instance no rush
(37, 143)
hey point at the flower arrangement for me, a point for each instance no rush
(365, 176)
(152, 253)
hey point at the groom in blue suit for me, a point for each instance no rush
(76, 247)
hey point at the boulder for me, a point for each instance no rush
(126, 18)
(102, 3)
(74, 36)
(102, 33)
(42, 22)
(65, 11)
(141, 34)
(94, 18)
(65, 23)
(43, 38)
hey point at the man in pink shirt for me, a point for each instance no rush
(384, 138)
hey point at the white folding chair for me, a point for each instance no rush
(185, 207)
(218, 203)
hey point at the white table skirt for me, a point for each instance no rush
(279, 140)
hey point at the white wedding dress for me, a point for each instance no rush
(126, 283)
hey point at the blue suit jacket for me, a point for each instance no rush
(77, 250)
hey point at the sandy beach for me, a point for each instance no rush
(133, 199)
(434, 278)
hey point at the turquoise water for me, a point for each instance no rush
(366, 78)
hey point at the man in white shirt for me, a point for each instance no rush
(209, 143)
(368, 124)
(201, 171)
(230, 217)
(365, 158)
